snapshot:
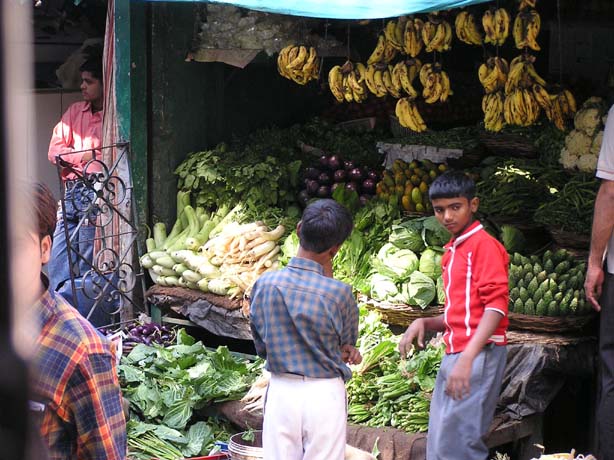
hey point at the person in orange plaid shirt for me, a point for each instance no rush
(75, 392)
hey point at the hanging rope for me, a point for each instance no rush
(348, 42)
(560, 32)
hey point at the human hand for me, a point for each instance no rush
(593, 285)
(350, 354)
(416, 330)
(458, 384)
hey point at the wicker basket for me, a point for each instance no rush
(359, 125)
(549, 324)
(508, 144)
(573, 240)
(400, 314)
(397, 130)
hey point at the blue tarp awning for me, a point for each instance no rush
(345, 9)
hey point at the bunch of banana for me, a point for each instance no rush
(394, 32)
(493, 74)
(526, 29)
(492, 106)
(467, 29)
(408, 115)
(527, 4)
(436, 83)
(412, 37)
(375, 81)
(384, 51)
(556, 106)
(298, 63)
(347, 82)
(437, 36)
(522, 74)
(403, 74)
(496, 26)
(520, 107)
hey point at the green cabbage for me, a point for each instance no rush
(434, 233)
(430, 263)
(513, 239)
(408, 235)
(395, 263)
(419, 290)
(382, 287)
(441, 293)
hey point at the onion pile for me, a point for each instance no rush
(331, 172)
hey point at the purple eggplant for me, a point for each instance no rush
(324, 179)
(303, 197)
(323, 191)
(348, 165)
(312, 187)
(355, 174)
(324, 162)
(373, 175)
(335, 162)
(340, 175)
(311, 173)
(368, 186)
(352, 186)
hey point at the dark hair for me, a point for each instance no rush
(325, 223)
(45, 207)
(93, 66)
(452, 184)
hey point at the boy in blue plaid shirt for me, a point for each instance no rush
(305, 324)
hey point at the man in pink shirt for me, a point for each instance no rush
(75, 145)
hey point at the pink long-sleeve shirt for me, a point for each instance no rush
(80, 129)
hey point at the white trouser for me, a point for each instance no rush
(304, 418)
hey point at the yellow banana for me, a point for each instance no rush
(402, 112)
(502, 25)
(369, 79)
(425, 71)
(526, 4)
(299, 60)
(390, 52)
(488, 22)
(379, 83)
(378, 53)
(335, 83)
(459, 26)
(413, 68)
(390, 88)
(390, 31)
(402, 71)
(447, 41)
(571, 101)
(399, 33)
(446, 91)
(416, 117)
(429, 30)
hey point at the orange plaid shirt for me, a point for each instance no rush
(74, 376)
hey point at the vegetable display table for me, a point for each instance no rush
(219, 315)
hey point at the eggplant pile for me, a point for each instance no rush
(332, 171)
(148, 334)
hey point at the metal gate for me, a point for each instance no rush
(102, 238)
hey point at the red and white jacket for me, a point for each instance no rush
(475, 268)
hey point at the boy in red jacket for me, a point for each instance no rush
(475, 270)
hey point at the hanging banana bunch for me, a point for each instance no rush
(493, 74)
(403, 74)
(375, 81)
(384, 51)
(437, 34)
(522, 74)
(436, 83)
(557, 107)
(467, 29)
(496, 25)
(492, 106)
(527, 4)
(412, 37)
(520, 107)
(298, 63)
(408, 115)
(526, 28)
(347, 82)
(394, 31)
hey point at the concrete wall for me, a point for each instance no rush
(49, 105)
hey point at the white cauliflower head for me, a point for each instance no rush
(568, 159)
(587, 163)
(596, 146)
(578, 142)
(588, 120)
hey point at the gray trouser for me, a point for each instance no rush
(457, 428)
(605, 408)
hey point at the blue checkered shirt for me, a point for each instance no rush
(300, 318)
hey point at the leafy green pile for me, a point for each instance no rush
(386, 390)
(464, 138)
(167, 386)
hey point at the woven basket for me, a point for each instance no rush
(400, 314)
(549, 324)
(397, 130)
(573, 240)
(508, 144)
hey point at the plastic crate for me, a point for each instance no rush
(360, 124)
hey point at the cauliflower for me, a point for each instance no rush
(578, 143)
(587, 163)
(596, 146)
(588, 120)
(568, 159)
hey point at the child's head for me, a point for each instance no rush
(325, 224)
(454, 202)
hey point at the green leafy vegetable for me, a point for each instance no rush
(418, 290)
(430, 263)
